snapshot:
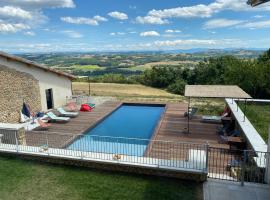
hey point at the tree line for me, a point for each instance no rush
(253, 76)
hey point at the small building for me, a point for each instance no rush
(21, 80)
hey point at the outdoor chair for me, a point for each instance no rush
(234, 133)
(67, 114)
(55, 118)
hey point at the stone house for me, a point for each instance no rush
(22, 80)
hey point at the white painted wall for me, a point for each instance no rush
(61, 85)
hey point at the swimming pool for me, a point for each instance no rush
(112, 134)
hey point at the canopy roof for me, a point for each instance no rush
(216, 91)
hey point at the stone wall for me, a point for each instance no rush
(16, 87)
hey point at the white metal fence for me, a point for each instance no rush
(234, 165)
(133, 151)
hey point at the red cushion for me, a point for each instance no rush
(85, 108)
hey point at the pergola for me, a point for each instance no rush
(214, 91)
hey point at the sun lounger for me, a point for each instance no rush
(67, 114)
(55, 118)
(211, 119)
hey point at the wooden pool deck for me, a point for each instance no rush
(172, 127)
(60, 134)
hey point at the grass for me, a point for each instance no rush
(124, 91)
(26, 180)
(208, 106)
(86, 67)
(259, 116)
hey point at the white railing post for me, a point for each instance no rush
(17, 143)
(267, 164)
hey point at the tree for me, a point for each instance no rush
(265, 57)
(178, 87)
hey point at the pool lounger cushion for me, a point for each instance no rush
(53, 117)
(208, 118)
(67, 114)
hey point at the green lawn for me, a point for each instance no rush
(27, 180)
(259, 116)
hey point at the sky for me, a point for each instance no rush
(131, 25)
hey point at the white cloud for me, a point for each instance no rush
(30, 33)
(16, 12)
(118, 15)
(100, 19)
(256, 25)
(83, 20)
(221, 23)
(149, 34)
(151, 20)
(19, 15)
(37, 4)
(80, 20)
(72, 34)
(12, 28)
(184, 42)
(205, 10)
(172, 31)
(112, 34)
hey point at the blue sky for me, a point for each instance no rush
(124, 25)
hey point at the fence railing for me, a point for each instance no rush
(238, 165)
(234, 165)
(152, 153)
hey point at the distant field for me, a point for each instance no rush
(86, 67)
(123, 90)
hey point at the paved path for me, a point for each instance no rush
(227, 190)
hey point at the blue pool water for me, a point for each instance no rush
(128, 121)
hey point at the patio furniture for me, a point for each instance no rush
(67, 114)
(55, 118)
(72, 107)
(43, 125)
(92, 105)
(211, 119)
(237, 142)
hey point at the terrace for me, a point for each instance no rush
(178, 143)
